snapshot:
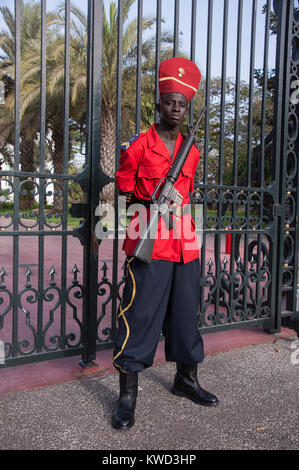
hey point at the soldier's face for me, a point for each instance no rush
(173, 108)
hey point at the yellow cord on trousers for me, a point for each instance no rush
(122, 314)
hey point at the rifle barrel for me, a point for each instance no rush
(199, 119)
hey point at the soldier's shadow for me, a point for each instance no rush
(106, 396)
(156, 376)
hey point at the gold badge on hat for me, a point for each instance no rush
(181, 71)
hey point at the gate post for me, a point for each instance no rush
(286, 151)
(92, 177)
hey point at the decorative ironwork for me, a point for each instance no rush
(105, 289)
(29, 296)
(289, 228)
(232, 287)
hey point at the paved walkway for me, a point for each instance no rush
(257, 387)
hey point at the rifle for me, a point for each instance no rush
(168, 196)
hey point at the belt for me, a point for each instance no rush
(178, 211)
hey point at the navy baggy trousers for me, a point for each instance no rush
(162, 296)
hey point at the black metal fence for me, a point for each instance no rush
(77, 83)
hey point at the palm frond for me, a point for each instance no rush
(56, 79)
(79, 84)
(30, 93)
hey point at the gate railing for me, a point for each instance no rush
(287, 173)
(51, 308)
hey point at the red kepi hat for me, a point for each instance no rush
(179, 75)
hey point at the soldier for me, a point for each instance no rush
(163, 295)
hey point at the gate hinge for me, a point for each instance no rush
(277, 210)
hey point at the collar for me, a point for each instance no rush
(157, 145)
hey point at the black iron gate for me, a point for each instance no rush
(59, 284)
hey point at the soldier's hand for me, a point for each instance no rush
(129, 198)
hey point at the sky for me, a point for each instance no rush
(149, 9)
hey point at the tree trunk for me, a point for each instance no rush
(108, 149)
(27, 189)
(57, 159)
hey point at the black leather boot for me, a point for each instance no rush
(186, 385)
(123, 417)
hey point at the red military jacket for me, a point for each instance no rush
(142, 166)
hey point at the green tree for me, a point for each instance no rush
(30, 79)
(229, 136)
(29, 108)
(78, 73)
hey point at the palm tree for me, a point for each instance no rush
(30, 79)
(78, 79)
(30, 30)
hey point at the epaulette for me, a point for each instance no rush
(127, 143)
